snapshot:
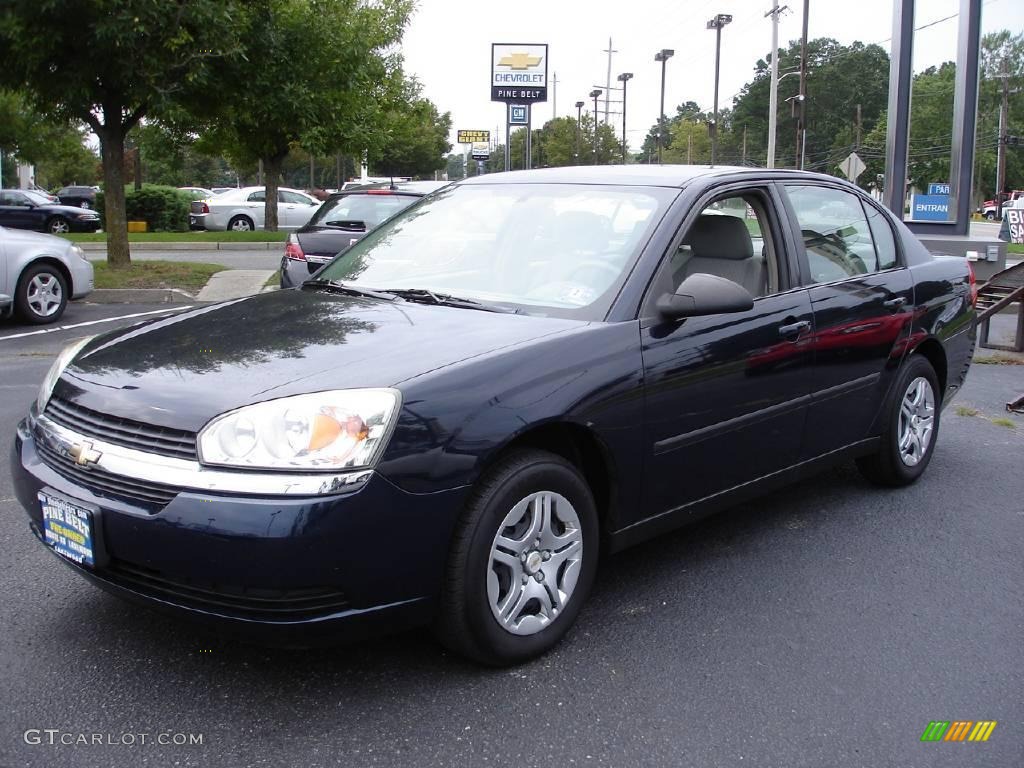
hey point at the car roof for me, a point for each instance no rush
(634, 175)
(415, 187)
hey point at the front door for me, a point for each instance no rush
(726, 395)
(16, 211)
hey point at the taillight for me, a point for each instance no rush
(206, 208)
(974, 284)
(292, 249)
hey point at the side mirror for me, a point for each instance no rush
(702, 294)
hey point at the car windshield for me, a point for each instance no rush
(369, 209)
(35, 197)
(553, 249)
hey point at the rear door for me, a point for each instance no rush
(726, 394)
(862, 296)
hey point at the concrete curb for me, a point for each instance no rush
(139, 296)
(94, 247)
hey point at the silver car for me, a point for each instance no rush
(39, 274)
(241, 210)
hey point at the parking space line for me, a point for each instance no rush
(92, 322)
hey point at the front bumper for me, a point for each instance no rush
(288, 569)
(82, 277)
(88, 225)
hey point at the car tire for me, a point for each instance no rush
(58, 225)
(42, 294)
(241, 224)
(911, 427)
(85, 204)
(539, 568)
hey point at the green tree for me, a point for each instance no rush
(109, 64)
(56, 148)
(314, 73)
(456, 166)
(414, 136)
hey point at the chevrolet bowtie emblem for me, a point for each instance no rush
(83, 453)
(519, 61)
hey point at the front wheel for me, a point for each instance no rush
(990, 216)
(522, 562)
(58, 225)
(911, 428)
(85, 204)
(42, 294)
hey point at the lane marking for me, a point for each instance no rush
(93, 322)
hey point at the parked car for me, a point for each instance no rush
(197, 193)
(78, 196)
(40, 191)
(341, 221)
(222, 190)
(242, 210)
(39, 274)
(24, 209)
(458, 414)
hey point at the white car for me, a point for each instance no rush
(39, 274)
(242, 210)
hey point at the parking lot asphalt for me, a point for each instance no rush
(824, 625)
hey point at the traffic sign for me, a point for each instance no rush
(938, 189)
(852, 166)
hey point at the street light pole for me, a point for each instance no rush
(594, 94)
(579, 120)
(624, 78)
(663, 55)
(716, 23)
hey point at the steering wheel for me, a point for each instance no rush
(835, 251)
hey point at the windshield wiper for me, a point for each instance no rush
(338, 286)
(424, 296)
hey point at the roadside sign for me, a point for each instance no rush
(938, 189)
(481, 150)
(929, 208)
(1015, 218)
(852, 166)
(519, 72)
(518, 114)
(471, 137)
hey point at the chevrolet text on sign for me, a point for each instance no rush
(519, 72)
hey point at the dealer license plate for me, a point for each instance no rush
(68, 529)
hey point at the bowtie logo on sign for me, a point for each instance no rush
(520, 61)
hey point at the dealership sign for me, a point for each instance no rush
(519, 72)
(1015, 220)
(472, 137)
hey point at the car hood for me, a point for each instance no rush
(27, 237)
(181, 371)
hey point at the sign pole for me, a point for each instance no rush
(508, 137)
(529, 138)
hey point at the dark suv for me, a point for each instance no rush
(343, 219)
(80, 197)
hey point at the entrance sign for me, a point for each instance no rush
(519, 72)
(929, 208)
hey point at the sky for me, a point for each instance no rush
(447, 48)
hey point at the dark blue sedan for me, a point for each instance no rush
(514, 377)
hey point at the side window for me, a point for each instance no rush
(885, 243)
(731, 239)
(257, 197)
(836, 235)
(292, 197)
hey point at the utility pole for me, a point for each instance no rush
(608, 80)
(312, 172)
(856, 140)
(744, 161)
(801, 105)
(689, 146)
(594, 94)
(624, 78)
(554, 96)
(663, 55)
(773, 98)
(579, 124)
(716, 23)
(1004, 108)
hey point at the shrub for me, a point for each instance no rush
(164, 209)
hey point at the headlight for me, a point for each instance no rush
(62, 361)
(337, 429)
(76, 251)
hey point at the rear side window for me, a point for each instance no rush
(837, 237)
(881, 232)
(257, 197)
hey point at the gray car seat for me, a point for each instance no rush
(721, 246)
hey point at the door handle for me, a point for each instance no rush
(792, 330)
(896, 303)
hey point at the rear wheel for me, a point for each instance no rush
(241, 224)
(522, 560)
(911, 428)
(42, 294)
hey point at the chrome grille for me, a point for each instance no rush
(163, 441)
(151, 496)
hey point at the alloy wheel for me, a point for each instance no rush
(534, 563)
(45, 294)
(917, 421)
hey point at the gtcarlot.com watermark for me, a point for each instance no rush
(55, 736)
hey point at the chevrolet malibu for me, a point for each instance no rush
(516, 376)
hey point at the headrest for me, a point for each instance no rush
(720, 237)
(585, 229)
